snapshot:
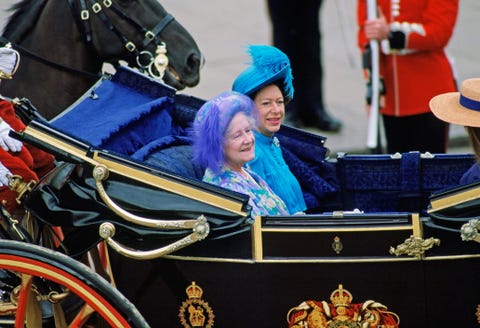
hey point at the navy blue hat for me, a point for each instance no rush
(268, 65)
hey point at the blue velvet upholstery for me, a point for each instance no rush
(314, 186)
(120, 115)
(380, 183)
(172, 153)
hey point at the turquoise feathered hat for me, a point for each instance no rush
(268, 64)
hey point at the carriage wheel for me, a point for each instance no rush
(42, 288)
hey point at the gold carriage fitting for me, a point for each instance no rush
(340, 312)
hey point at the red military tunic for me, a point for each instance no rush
(30, 163)
(422, 70)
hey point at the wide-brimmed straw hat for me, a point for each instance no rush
(462, 108)
(269, 64)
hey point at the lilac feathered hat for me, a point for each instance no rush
(211, 123)
(268, 65)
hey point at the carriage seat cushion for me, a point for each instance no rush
(171, 153)
(118, 120)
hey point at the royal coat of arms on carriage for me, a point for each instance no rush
(195, 312)
(341, 313)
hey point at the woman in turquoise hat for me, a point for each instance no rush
(268, 82)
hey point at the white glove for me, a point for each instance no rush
(3, 175)
(9, 60)
(7, 142)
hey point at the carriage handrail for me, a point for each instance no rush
(100, 173)
(201, 230)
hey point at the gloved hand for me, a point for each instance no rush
(9, 60)
(3, 175)
(7, 142)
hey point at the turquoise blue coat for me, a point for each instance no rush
(270, 165)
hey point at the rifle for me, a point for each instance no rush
(373, 132)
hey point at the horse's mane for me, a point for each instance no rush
(23, 19)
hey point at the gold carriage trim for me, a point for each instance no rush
(414, 246)
(195, 312)
(341, 313)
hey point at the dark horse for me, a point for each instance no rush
(64, 44)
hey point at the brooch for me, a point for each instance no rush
(276, 142)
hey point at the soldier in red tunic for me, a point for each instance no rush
(413, 35)
(16, 158)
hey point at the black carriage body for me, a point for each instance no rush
(363, 210)
(261, 290)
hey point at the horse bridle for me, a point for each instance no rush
(154, 64)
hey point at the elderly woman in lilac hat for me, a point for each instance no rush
(224, 143)
(268, 82)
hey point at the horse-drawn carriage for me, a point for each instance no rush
(380, 245)
(371, 252)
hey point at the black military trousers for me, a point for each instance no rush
(296, 31)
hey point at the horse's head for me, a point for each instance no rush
(66, 43)
(140, 27)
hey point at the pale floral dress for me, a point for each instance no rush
(262, 199)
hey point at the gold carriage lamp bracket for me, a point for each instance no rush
(17, 184)
(200, 227)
